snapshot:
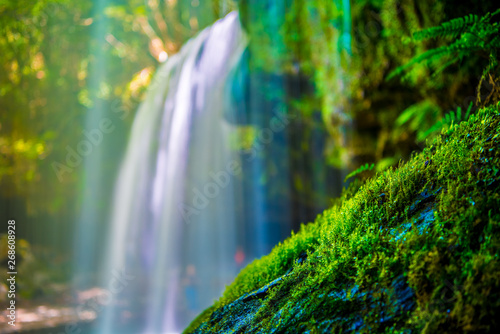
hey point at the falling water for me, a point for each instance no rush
(189, 210)
(172, 222)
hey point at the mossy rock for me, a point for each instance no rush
(413, 250)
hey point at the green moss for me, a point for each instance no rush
(415, 249)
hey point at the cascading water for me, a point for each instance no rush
(189, 210)
(172, 222)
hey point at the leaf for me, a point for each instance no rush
(360, 170)
(453, 117)
(469, 35)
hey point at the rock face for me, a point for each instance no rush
(413, 250)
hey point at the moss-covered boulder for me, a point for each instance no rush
(413, 250)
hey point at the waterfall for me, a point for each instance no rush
(189, 209)
(172, 223)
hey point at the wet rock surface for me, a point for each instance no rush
(414, 250)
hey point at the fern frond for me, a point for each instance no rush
(495, 42)
(487, 17)
(452, 28)
(360, 170)
(492, 65)
(428, 56)
(444, 66)
(453, 117)
(470, 35)
(413, 117)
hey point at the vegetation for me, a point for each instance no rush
(308, 44)
(383, 44)
(395, 77)
(415, 248)
(48, 270)
(344, 67)
(360, 170)
(49, 59)
(470, 34)
(349, 64)
(64, 62)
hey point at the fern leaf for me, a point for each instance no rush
(360, 170)
(468, 112)
(428, 56)
(453, 117)
(470, 34)
(452, 28)
(413, 117)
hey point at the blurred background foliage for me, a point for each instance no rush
(336, 57)
(393, 116)
(347, 53)
(49, 52)
(47, 48)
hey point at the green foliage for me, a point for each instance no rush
(453, 117)
(422, 118)
(418, 118)
(433, 223)
(379, 28)
(452, 28)
(49, 271)
(40, 62)
(64, 64)
(364, 168)
(382, 42)
(351, 89)
(470, 35)
(50, 50)
(304, 39)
